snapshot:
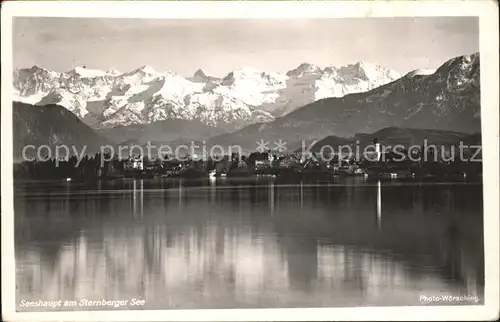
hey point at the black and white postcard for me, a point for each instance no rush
(325, 160)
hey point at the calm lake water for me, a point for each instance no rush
(248, 244)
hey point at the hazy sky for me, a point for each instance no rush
(219, 46)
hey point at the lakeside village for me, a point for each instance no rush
(377, 165)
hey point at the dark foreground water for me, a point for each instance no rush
(246, 244)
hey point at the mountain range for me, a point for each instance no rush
(106, 99)
(244, 107)
(53, 125)
(445, 99)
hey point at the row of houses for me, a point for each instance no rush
(261, 160)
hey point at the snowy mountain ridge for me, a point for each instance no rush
(105, 99)
(447, 98)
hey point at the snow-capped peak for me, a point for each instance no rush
(201, 76)
(304, 68)
(146, 69)
(36, 68)
(247, 71)
(252, 77)
(146, 95)
(367, 72)
(113, 72)
(243, 73)
(358, 70)
(201, 73)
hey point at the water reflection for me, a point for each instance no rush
(379, 204)
(229, 244)
(138, 199)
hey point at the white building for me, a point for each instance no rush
(134, 163)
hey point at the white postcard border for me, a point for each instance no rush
(487, 10)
